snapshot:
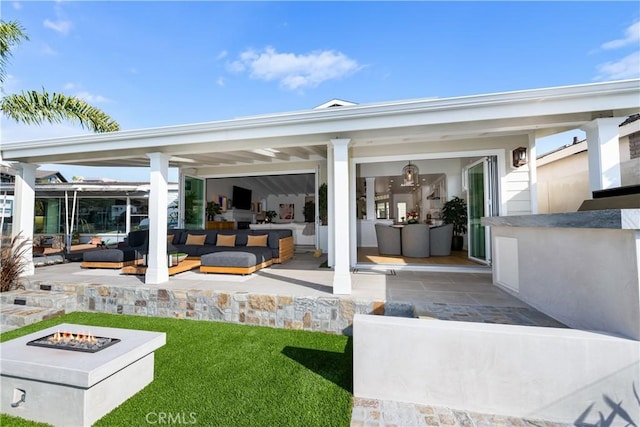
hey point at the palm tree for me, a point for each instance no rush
(33, 107)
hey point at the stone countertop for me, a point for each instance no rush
(617, 219)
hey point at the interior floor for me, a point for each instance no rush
(371, 255)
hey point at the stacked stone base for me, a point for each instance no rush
(322, 314)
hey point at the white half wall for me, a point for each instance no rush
(545, 373)
(587, 278)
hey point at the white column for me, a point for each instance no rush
(24, 210)
(371, 198)
(127, 224)
(157, 265)
(341, 216)
(533, 173)
(331, 253)
(604, 153)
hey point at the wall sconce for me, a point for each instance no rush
(519, 156)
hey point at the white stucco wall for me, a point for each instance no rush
(587, 278)
(546, 373)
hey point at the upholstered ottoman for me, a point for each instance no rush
(231, 262)
(109, 258)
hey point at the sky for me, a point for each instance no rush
(162, 63)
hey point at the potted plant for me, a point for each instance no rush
(322, 203)
(309, 211)
(213, 209)
(455, 212)
(269, 215)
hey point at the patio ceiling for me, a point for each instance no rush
(304, 135)
(280, 185)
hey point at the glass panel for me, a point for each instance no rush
(139, 214)
(402, 211)
(382, 210)
(97, 215)
(193, 203)
(476, 212)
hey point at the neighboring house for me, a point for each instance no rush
(479, 147)
(563, 174)
(105, 208)
(8, 175)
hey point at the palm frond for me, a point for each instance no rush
(11, 34)
(33, 107)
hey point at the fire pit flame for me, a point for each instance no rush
(81, 341)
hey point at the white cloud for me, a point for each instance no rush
(91, 98)
(222, 55)
(61, 26)
(626, 68)
(11, 84)
(16, 5)
(631, 37)
(48, 50)
(78, 91)
(295, 71)
(220, 81)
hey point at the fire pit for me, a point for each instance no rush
(85, 342)
(38, 375)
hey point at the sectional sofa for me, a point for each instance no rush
(220, 251)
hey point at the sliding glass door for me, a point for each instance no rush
(193, 196)
(482, 201)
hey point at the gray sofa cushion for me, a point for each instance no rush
(274, 236)
(110, 255)
(229, 259)
(137, 238)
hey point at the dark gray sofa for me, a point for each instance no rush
(279, 247)
(279, 243)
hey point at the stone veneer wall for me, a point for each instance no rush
(321, 314)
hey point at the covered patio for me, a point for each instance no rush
(296, 295)
(333, 143)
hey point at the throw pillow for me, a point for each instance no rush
(196, 239)
(226, 240)
(169, 238)
(260, 240)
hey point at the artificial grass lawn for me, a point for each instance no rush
(221, 374)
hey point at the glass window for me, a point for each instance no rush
(402, 211)
(382, 210)
(193, 203)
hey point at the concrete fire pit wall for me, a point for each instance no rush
(521, 371)
(581, 268)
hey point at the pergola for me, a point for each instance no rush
(332, 141)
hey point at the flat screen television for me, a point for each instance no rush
(241, 198)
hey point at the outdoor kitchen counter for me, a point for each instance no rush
(618, 219)
(581, 268)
